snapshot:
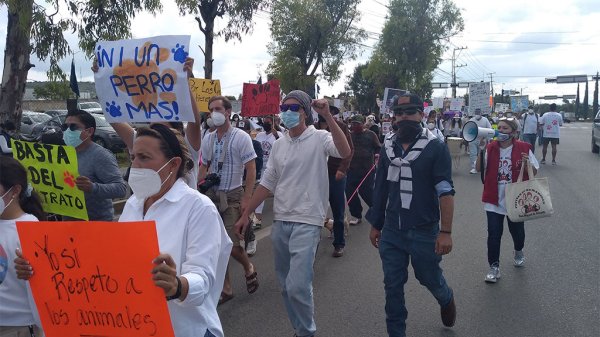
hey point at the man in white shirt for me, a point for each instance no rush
(226, 153)
(266, 139)
(474, 145)
(551, 122)
(531, 122)
(297, 176)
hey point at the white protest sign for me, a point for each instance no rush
(479, 97)
(456, 104)
(502, 107)
(427, 110)
(518, 103)
(386, 127)
(388, 97)
(143, 80)
(438, 102)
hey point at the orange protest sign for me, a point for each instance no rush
(94, 278)
(260, 99)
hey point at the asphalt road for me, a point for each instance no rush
(557, 293)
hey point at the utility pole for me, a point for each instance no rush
(492, 84)
(454, 66)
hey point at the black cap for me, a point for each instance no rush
(407, 102)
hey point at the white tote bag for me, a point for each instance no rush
(528, 200)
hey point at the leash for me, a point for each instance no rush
(359, 185)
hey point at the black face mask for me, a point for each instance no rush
(407, 131)
(267, 127)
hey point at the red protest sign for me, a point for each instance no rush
(260, 99)
(93, 278)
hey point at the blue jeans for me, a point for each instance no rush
(495, 229)
(530, 138)
(295, 245)
(337, 201)
(365, 191)
(397, 248)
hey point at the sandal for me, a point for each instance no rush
(224, 298)
(251, 283)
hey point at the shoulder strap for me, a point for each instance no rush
(228, 136)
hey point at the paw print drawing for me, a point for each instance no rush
(179, 54)
(69, 179)
(113, 109)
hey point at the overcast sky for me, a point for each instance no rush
(520, 41)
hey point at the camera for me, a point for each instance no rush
(211, 180)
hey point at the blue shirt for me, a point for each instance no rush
(431, 179)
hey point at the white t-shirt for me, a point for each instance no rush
(530, 123)
(505, 177)
(297, 176)
(17, 307)
(266, 141)
(239, 152)
(552, 122)
(482, 122)
(189, 228)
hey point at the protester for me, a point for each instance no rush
(250, 239)
(413, 185)
(7, 132)
(337, 169)
(18, 202)
(439, 121)
(530, 127)
(361, 174)
(191, 133)
(99, 175)
(433, 126)
(226, 154)
(503, 160)
(551, 122)
(297, 176)
(474, 145)
(266, 138)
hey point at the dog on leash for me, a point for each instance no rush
(328, 224)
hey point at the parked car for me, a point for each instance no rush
(596, 133)
(91, 107)
(105, 135)
(29, 120)
(53, 113)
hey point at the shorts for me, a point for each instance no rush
(554, 141)
(232, 213)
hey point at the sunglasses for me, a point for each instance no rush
(72, 127)
(291, 107)
(408, 112)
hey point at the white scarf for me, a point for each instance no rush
(400, 169)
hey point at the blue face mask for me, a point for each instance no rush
(72, 138)
(503, 136)
(290, 119)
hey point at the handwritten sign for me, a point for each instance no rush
(203, 90)
(86, 283)
(143, 80)
(260, 99)
(438, 102)
(479, 98)
(388, 98)
(51, 170)
(456, 104)
(518, 103)
(502, 107)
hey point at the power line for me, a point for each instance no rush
(531, 42)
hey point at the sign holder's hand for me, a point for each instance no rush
(165, 274)
(188, 67)
(22, 266)
(84, 184)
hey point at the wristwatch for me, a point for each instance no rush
(177, 293)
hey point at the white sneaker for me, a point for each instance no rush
(355, 222)
(473, 171)
(519, 258)
(251, 250)
(493, 275)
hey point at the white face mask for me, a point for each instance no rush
(430, 126)
(3, 206)
(146, 182)
(218, 118)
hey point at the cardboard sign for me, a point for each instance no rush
(479, 98)
(51, 171)
(388, 98)
(260, 99)
(143, 80)
(203, 90)
(86, 283)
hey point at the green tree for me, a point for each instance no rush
(412, 43)
(363, 88)
(238, 14)
(55, 90)
(35, 29)
(312, 35)
(595, 104)
(585, 109)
